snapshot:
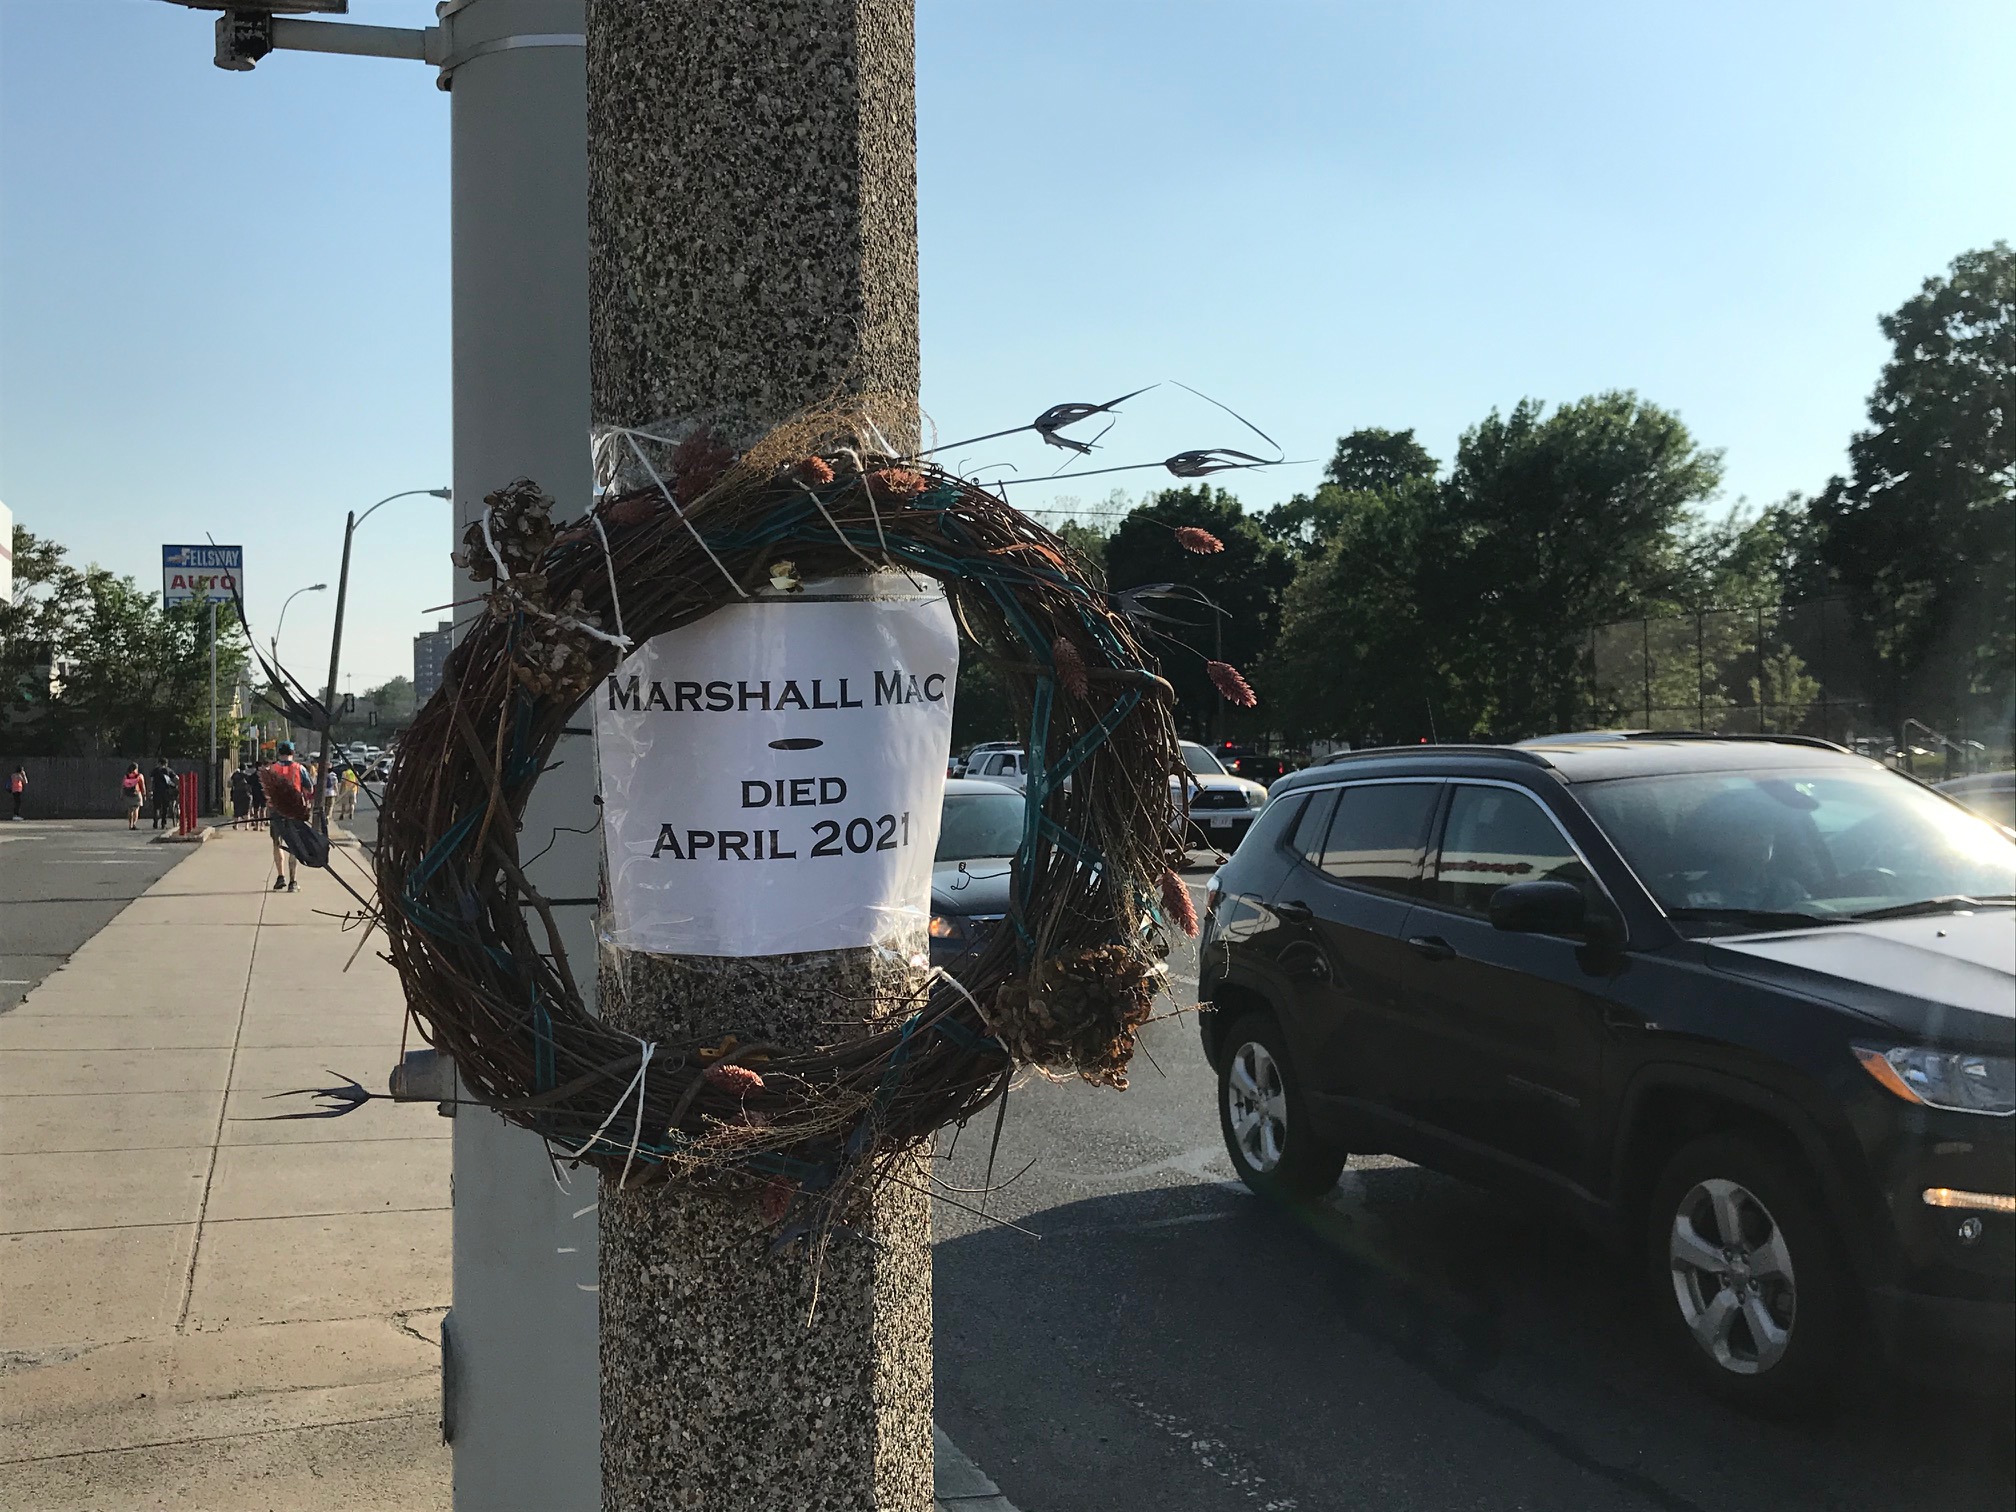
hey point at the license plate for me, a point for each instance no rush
(1221, 821)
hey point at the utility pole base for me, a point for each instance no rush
(734, 1380)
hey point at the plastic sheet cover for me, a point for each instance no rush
(772, 774)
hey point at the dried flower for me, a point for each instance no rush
(1176, 903)
(817, 471)
(1226, 679)
(632, 509)
(698, 463)
(784, 577)
(1070, 667)
(737, 1079)
(1202, 542)
(898, 482)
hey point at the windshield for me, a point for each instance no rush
(1826, 846)
(979, 824)
(1200, 761)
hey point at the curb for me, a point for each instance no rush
(168, 837)
(959, 1484)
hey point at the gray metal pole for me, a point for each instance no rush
(519, 1361)
(211, 769)
(329, 688)
(752, 172)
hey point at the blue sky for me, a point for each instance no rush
(224, 303)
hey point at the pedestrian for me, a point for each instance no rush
(326, 784)
(17, 788)
(346, 797)
(165, 793)
(258, 794)
(133, 790)
(241, 797)
(287, 770)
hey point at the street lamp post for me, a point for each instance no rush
(280, 624)
(350, 524)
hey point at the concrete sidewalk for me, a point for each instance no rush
(201, 1311)
(196, 1310)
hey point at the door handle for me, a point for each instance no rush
(1294, 912)
(1431, 947)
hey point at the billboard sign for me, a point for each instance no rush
(211, 573)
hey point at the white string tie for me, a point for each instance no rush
(609, 561)
(637, 1135)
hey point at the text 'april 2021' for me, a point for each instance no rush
(825, 838)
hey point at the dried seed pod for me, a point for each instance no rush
(1226, 679)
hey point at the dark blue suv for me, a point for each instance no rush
(1746, 1005)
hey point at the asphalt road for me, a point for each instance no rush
(1170, 1342)
(61, 881)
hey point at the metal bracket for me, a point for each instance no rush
(459, 56)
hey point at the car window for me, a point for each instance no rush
(1826, 844)
(1377, 833)
(1200, 761)
(1307, 841)
(979, 825)
(1498, 835)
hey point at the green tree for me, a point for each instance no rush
(96, 665)
(48, 594)
(1463, 609)
(1245, 582)
(1922, 530)
(1368, 461)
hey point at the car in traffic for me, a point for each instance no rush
(1221, 806)
(1745, 1006)
(979, 829)
(1005, 765)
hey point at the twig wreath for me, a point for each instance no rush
(1064, 985)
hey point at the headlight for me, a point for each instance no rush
(1256, 798)
(948, 927)
(1950, 1079)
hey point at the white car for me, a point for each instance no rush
(1222, 807)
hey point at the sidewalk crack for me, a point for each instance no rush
(217, 1137)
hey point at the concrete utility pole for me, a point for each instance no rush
(752, 213)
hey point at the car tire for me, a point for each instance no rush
(1262, 1116)
(1760, 1317)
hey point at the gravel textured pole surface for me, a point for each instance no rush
(753, 251)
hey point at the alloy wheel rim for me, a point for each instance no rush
(1256, 1106)
(1732, 1276)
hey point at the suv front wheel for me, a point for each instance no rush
(1747, 1276)
(1266, 1128)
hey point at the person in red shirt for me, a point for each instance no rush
(287, 769)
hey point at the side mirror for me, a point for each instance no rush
(1558, 908)
(1539, 908)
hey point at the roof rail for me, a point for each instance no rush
(1513, 753)
(1763, 738)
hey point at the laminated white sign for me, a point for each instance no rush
(772, 774)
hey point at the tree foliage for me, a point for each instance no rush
(1244, 582)
(91, 664)
(1922, 529)
(1461, 608)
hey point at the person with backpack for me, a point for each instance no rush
(133, 789)
(258, 792)
(17, 788)
(165, 794)
(241, 797)
(286, 770)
